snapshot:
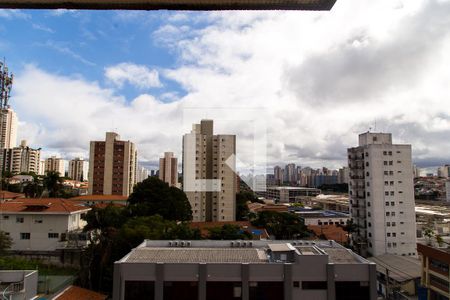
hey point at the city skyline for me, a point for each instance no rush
(70, 91)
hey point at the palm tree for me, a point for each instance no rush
(52, 183)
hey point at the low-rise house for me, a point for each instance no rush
(7, 196)
(398, 277)
(256, 232)
(77, 293)
(330, 232)
(321, 217)
(43, 224)
(93, 200)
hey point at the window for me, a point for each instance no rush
(386, 182)
(25, 235)
(386, 173)
(387, 203)
(391, 172)
(392, 193)
(394, 234)
(387, 214)
(314, 285)
(6, 217)
(390, 152)
(392, 203)
(393, 214)
(367, 174)
(391, 162)
(391, 183)
(38, 221)
(393, 224)
(386, 193)
(53, 235)
(388, 234)
(385, 163)
(19, 220)
(388, 224)
(384, 152)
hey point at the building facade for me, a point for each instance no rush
(21, 159)
(8, 138)
(444, 171)
(112, 166)
(246, 270)
(41, 224)
(78, 169)
(168, 169)
(288, 194)
(142, 174)
(435, 271)
(209, 180)
(55, 164)
(381, 194)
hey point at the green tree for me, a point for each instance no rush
(155, 197)
(5, 242)
(228, 232)
(282, 225)
(53, 183)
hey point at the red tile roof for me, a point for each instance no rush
(41, 205)
(77, 293)
(10, 195)
(243, 225)
(100, 198)
(331, 232)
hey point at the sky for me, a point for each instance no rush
(309, 82)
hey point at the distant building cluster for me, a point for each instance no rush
(307, 177)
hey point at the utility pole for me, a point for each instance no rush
(6, 81)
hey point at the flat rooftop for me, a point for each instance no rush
(321, 214)
(223, 252)
(291, 188)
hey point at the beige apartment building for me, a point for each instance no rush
(21, 159)
(168, 169)
(8, 129)
(209, 180)
(112, 166)
(55, 164)
(78, 169)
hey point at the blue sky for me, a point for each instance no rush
(313, 80)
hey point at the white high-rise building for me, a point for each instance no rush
(8, 138)
(78, 169)
(55, 164)
(41, 167)
(141, 174)
(21, 159)
(382, 196)
(444, 171)
(209, 180)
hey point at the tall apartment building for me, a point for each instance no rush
(112, 166)
(141, 174)
(444, 171)
(168, 169)
(278, 173)
(290, 174)
(209, 180)
(21, 159)
(8, 137)
(382, 196)
(78, 169)
(55, 164)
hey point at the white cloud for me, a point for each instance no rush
(321, 78)
(13, 14)
(137, 75)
